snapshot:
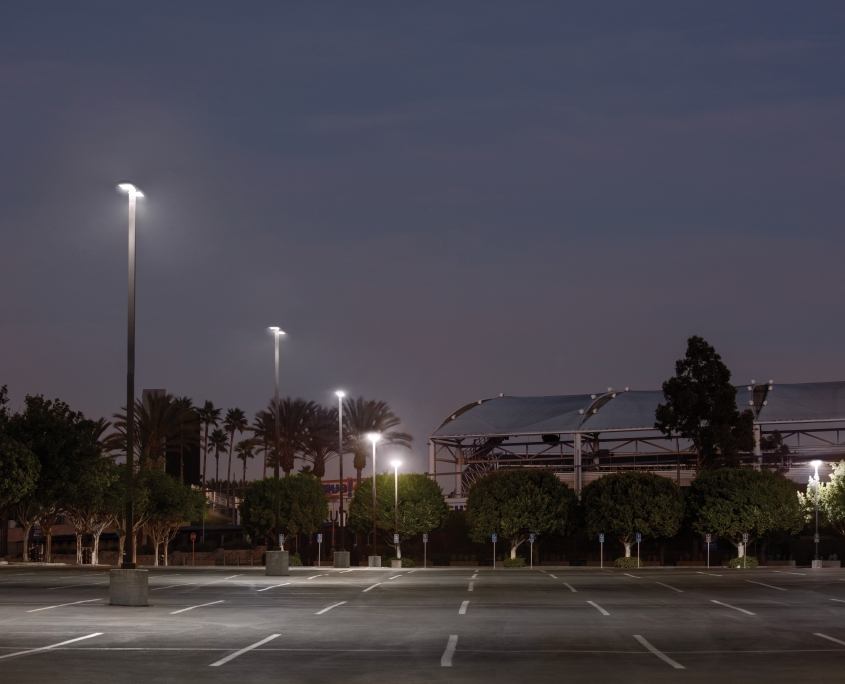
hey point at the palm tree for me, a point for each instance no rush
(320, 441)
(235, 421)
(209, 416)
(264, 429)
(219, 442)
(244, 450)
(189, 421)
(362, 416)
(295, 418)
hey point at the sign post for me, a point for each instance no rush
(707, 538)
(282, 542)
(495, 536)
(319, 547)
(193, 539)
(425, 551)
(531, 540)
(639, 539)
(744, 549)
(601, 550)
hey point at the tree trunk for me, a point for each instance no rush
(740, 549)
(95, 547)
(121, 542)
(204, 455)
(358, 482)
(628, 546)
(27, 528)
(47, 523)
(229, 470)
(78, 548)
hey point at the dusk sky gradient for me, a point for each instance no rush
(438, 202)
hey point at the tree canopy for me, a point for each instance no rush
(701, 407)
(302, 505)
(730, 502)
(515, 503)
(622, 504)
(831, 500)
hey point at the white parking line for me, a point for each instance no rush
(201, 605)
(61, 605)
(552, 576)
(662, 656)
(275, 586)
(838, 600)
(394, 577)
(728, 605)
(680, 591)
(47, 648)
(709, 574)
(571, 588)
(67, 586)
(446, 658)
(464, 606)
(766, 585)
(234, 655)
(184, 584)
(232, 577)
(786, 572)
(634, 576)
(316, 576)
(598, 608)
(328, 608)
(370, 587)
(471, 584)
(342, 571)
(825, 636)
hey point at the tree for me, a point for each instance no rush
(264, 429)
(219, 442)
(208, 417)
(235, 421)
(421, 506)
(831, 500)
(19, 469)
(303, 505)
(189, 422)
(140, 499)
(170, 505)
(516, 503)
(730, 502)
(701, 407)
(244, 450)
(320, 443)
(295, 420)
(622, 504)
(363, 416)
(91, 502)
(257, 508)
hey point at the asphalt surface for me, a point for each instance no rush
(456, 624)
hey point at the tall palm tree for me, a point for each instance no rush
(209, 416)
(362, 416)
(244, 450)
(295, 416)
(264, 429)
(219, 442)
(235, 421)
(320, 443)
(189, 421)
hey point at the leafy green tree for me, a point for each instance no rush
(257, 508)
(363, 416)
(170, 505)
(516, 503)
(622, 504)
(421, 506)
(730, 502)
(831, 500)
(19, 469)
(91, 502)
(701, 407)
(116, 498)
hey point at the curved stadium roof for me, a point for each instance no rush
(620, 411)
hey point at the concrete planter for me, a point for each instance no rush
(341, 559)
(278, 564)
(826, 564)
(128, 587)
(374, 561)
(396, 564)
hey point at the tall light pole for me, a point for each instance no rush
(340, 396)
(374, 437)
(128, 561)
(396, 465)
(815, 479)
(277, 332)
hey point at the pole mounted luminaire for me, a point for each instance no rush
(815, 480)
(396, 463)
(374, 437)
(277, 333)
(340, 395)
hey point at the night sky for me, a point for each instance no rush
(438, 202)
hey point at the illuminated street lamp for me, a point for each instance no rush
(396, 465)
(815, 481)
(374, 437)
(277, 333)
(340, 395)
(128, 561)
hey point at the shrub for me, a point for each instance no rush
(408, 562)
(517, 562)
(744, 562)
(626, 562)
(294, 560)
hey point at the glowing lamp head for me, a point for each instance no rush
(130, 189)
(340, 394)
(374, 437)
(396, 464)
(277, 330)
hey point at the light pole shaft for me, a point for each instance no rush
(129, 557)
(277, 411)
(396, 510)
(375, 538)
(340, 461)
(817, 517)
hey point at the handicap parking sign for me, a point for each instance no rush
(319, 538)
(639, 537)
(281, 539)
(495, 536)
(425, 539)
(395, 538)
(531, 538)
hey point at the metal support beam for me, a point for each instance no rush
(578, 482)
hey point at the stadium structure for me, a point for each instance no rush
(584, 436)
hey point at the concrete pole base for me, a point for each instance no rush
(278, 563)
(128, 587)
(341, 559)
(394, 563)
(374, 561)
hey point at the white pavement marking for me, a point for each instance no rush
(67, 586)
(232, 577)
(446, 658)
(662, 656)
(680, 591)
(709, 574)
(571, 588)
(394, 577)
(766, 585)
(825, 636)
(786, 572)
(728, 605)
(328, 608)
(184, 584)
(201, 605)
(471, 584)
(234, 655)
(634, 576)
(316, 576)
(838, 600)
(553, 576)
(370, 587)
(598, 608)
(464, 606)
(47, 648)
(275, 586)
(342, 571)
(61, 605)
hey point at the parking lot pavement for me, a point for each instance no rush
(573, 624)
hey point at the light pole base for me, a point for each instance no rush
(374, 561)
(128, 587)
(396, 563)
(341, 559)
(278, 563)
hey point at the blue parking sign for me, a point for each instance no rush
(601, 538)
(425, 539)
(495, 536)
(319, 538)
(639, 537)
(281, 540)
(530, 538)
